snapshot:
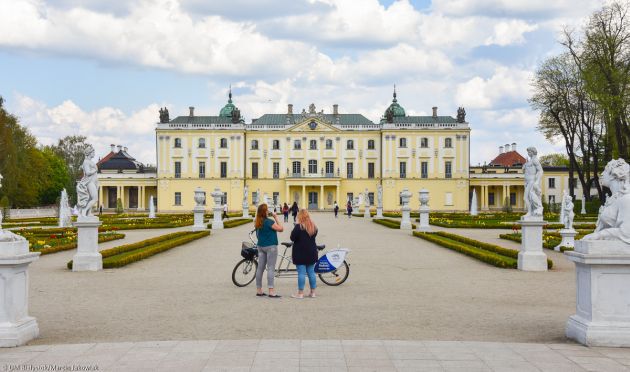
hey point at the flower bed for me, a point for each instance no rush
(388, 222)
(228, 224)
(129, 253)
(550, 239)
(102, 238)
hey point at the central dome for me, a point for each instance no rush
(226, 111)
(395, 108)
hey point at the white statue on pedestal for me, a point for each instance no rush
(87, 187)
(567, 211)
(613, 222)
(533, 172)
(245, 192)
(65, 213)
(564, 195)
(366, 197)
(379, 195)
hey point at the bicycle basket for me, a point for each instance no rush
(249, 253)
(246, 245)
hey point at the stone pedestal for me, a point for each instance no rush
(217, 210)
(603, 293)
(198, 224)
(424, 226)
(87, 257)
(379, 212)
(568, 239)
(16, 326)
(405, 223)
(366, 213)
(531, 256)
(245, 210)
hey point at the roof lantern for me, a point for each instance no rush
(396, 109)
(226, 111)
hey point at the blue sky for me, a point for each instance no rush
(103, 68)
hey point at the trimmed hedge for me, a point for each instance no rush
(129, 253)
(388, 222)
(550, 239)
(102, 238)
(486, 247)
(228, 224)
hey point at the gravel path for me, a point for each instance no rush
(400, 287)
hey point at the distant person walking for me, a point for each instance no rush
(225, 209)
(285, 212)
(304, 252)
(267, 233)
(336, 209)
(349, 209)
(100, 210)
(294, 211)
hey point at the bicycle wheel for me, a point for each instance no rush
(244, 272)
(336, 277)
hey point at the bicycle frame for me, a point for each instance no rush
(284, 267)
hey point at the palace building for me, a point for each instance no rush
(313, 158)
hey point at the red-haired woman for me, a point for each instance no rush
(267, 232)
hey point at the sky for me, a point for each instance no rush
(103, 68)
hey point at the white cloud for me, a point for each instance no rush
(506, 85)
(507, 8)
(509, 32)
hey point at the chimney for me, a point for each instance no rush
(119, 147)
(113, 147)
(125, 148)
(290, 109)
(500, 149)
(192, 111)
(514, 146)
(335, 109)
(434, 112)
(507, 147)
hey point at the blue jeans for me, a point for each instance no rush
(302, 271)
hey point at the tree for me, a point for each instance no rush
(71, 150)
(55, 175)
(555, 160)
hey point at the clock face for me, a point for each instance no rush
(312, 125)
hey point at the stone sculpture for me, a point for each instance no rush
(164, 117)
(199, 210)
(217, 221)
(87, 187)
(613, 222)
(423, 197)
(65, 213)
(533, 172)
(564, 195)
(567, 211)
(405, 223)
(461, 115)
(366, 197)
(245, 193)
(379, 195)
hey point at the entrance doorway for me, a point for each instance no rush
(312, 200)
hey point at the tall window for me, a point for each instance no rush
(349, 170)
(313, 145)
(370, 170)
(223, 143)
(512, 198)
(403, 169)
(552, 183)
(202, 169)
(448, 169)
(254, 144)
(329, 144)
(402, 142)
(297, 168)
(276, 197)
(202, 143)
(312, 166)
(178, 169)
(424, 169)
(490, 198)
(178, 142)
(255, 170)
(276, 170)
(178, 198)
(276, 145)
(370, 144)
(371, 197)
(224, 199)
(297, 145)
(224, 169)
(350, 145)
(448, 142)
(330, 168)
(424, 142)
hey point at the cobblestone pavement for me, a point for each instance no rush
(317, 355)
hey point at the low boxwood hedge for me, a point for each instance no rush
(228, 224)
(388, 222)
(129, 253)
(102, 238)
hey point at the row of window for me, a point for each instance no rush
(491, 198)
(297, 171)
(297, 144)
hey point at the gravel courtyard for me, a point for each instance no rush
(400, 287)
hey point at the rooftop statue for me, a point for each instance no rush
(461, 115)
(236, 116)
(533, 175)
(389, 115)
(311, 108)
(613, 222)
(164, 118)
(87, 187)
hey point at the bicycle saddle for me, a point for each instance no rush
(287, 244)
(321, 247)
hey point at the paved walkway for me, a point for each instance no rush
(317, 355)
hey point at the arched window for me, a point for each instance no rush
(202, 143)
(254, 144)
(313, 145)
(448, 142)
(350, 145)
(223, 143)
(178, 142)
(276, 145)
(329, 144)
(402, 142)
(370, 144)
(424, 142)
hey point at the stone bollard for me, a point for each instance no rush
(568, 239)
(217, 210)
(423, 196)
(199, 210)
(405, 223)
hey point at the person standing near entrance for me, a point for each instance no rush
(294, 211)
(304, 252)
(285, 212)
(336, 208)
(267, 230)
(225, 209)
(349, 209)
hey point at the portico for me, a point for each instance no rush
(317, 195)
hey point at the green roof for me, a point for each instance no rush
(201, 120)
(396, 109)
(424, 119)
(344, 119)
(226, 111)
